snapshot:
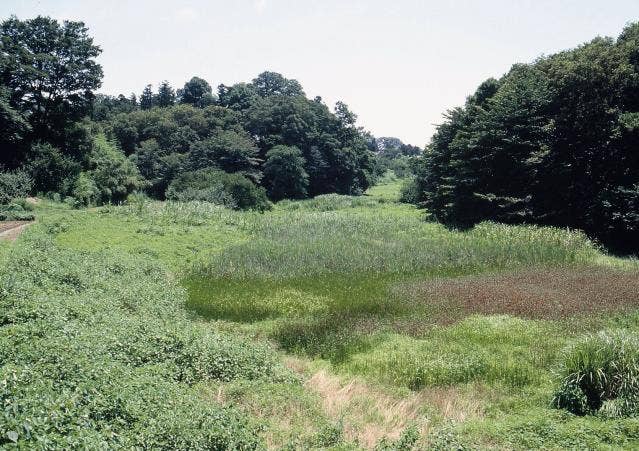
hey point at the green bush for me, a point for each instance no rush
(600, 374)
(409, 193)
(218, 187)
(16, 211)
(14, 184)
(97, 352)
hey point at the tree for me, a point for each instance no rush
(284, 173)
(271, 83)
(239, 97)
(553, 143)
(229, 151)
(114, 176)
(50, 72)
(165, 96)
(14, 128)
(196, 92)
(147, 99)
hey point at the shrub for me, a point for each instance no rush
(16, 211)
(218, 187)
(600, 374)
(409, 193)
(14, 184)
(51, 169)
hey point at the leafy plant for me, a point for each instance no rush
(600, 374)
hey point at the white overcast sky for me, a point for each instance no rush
(398, 64)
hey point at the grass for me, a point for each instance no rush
(378, 311)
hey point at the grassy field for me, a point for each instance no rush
(401, 334)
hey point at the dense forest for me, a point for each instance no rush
(554, 142)
(241, 145)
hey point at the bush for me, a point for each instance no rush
(19, 210)
(14, 184)
(409, 193)
(51, 169)
(218, 187)
(600, 374)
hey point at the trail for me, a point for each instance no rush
(11, 230)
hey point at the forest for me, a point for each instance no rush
(241, 146)
(553, 142)
(246, 268)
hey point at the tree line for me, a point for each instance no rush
(247, 143)
(554, 142)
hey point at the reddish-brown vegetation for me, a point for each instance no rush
(535, 294)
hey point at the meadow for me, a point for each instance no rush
(332, 323)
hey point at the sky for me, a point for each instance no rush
(398, 64)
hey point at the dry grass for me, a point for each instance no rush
(371, 414)
(533, 294)
(368, 414)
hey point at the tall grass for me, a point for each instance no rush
(311, 244)
(600, 373)
(327, 275)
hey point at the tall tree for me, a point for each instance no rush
(553, 142)
(147, 99)
(165, 96)
(271, 83)
(197, 92)
(50, 71)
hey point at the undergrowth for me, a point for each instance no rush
(97, 351)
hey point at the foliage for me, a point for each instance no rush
(285, 176)
(165, 96)
(13, 185)
(229, 150)
(551, 142)
(51, 169)
(218, 187)
(50, 72)
(409, 192)
(600, 374)
(110, 179)
(97, 352)
(197, 92)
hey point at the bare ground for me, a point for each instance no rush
(11, 230)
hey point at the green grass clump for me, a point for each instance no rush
(499, 349)
(600, 374)
(329, 202)
(98, 352)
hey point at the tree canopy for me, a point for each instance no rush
(100, 147)
(553, 142)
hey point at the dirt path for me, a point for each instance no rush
(11, 230)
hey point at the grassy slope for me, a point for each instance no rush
(320, 278)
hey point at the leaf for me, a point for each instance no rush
(13, 436)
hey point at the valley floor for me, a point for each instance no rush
(397, 333)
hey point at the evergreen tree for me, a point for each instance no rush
(165, 96)
(147, 99)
